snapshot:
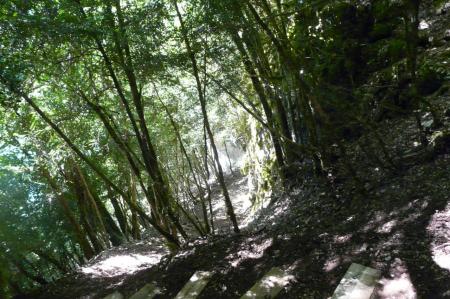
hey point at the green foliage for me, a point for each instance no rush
(381, 31)
(81, 85)
(429, 79)
(387, 11)
(396, 50)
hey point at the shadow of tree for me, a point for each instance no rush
(389, 228)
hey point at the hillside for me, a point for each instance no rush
(143, 141)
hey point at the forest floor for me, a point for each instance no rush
(399, 223)
(123, 264)
(401, 227)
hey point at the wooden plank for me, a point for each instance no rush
(270, 285)
(358, 283)
(195, 285)
(148, 291)
(115, 295)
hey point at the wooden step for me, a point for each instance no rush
(358, 283)
(270, 285)
(148, 291)
(195, 285)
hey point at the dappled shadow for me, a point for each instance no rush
(393, 231)
(270, 285)
(396, 233)
(108, 271)
(239, 194)
(388, 231)
(237, 186)
(401, 229)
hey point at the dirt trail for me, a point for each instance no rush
(238, 189)
(114, 267)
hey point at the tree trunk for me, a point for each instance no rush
(220, 176)
(79, 233)
(259, 89)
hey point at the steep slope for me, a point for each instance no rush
(394, 220)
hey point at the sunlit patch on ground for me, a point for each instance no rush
(360, 248)
(439, 229)
(387, 227)
(239, 194)
(378, 218)
(342, 239)
(122, 264)
(270, 285)
(442, 258)
(253, 251)
(398, 285)
(185, 254)
(332, 263)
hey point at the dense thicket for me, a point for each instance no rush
(114, 113)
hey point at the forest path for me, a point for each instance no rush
(401, 227)
(240, 197)
(113, 266)
(401, 230)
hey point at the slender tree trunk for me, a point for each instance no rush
(204, 174)
(92, 204)
(120, 215)
(259, 89)
(228, 204)
(79, 233)
(191, 168)
(135, 229)
(62, 267)
(36, 277)
(228, 157)
(159, 187)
